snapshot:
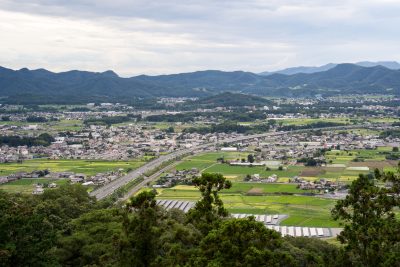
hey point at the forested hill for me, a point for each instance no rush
(42, 86)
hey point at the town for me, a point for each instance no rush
(118, 132)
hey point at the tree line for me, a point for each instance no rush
(43, 139)
(240, 115)
(109, 120)
(228, 127)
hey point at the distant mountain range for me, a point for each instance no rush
(302, 69)
(42, 86)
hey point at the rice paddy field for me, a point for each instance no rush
(26, 186)
(208, 163)
(49, 127)
(302, 210)
(307, 121)
(342, 169)
(88, 167)
(374, 158)
(281, 197)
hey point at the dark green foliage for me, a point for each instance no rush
(29, 224)
(109, 120)
(240, 115)
(36, 119)
(371, 229)
(229, 99)
(312, 252)
(178, 241)
(90, 239)
(390, 133)
(180, 117)
(241, 242)
(26, 236)
(170, 130)
(138, 243)
(250, 158)
(210, 208)
(311, 162)
(64, 204)
(47, 138)
(153, 237)
(320, 124)
(44, 139)
(228, 127)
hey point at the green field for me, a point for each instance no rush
(208, 163)
(264, 188)
(383, 120)
(88, 167)
(260, 198)
(51, 126)
(66, 125)
(370, 158)
(302, 210)
(207, 160)
(27, 185)
(307, 121)
(343, 157)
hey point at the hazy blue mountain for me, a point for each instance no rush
(388, 64)
(43, 86)
(301, 69)
(304, 69)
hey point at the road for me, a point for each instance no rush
(109, 188)
(137, 187)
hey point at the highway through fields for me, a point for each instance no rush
(109, 188)
(152, 177)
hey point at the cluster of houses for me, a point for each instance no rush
(304, 145)
(171, 179)
(122, 142)
(257, 178)
(14, 154)
(321, 185)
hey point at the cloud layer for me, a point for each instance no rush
(154, 37)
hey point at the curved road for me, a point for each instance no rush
(109, 188)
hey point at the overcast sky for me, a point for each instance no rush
(158, 37)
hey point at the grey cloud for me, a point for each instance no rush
(137, 36)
